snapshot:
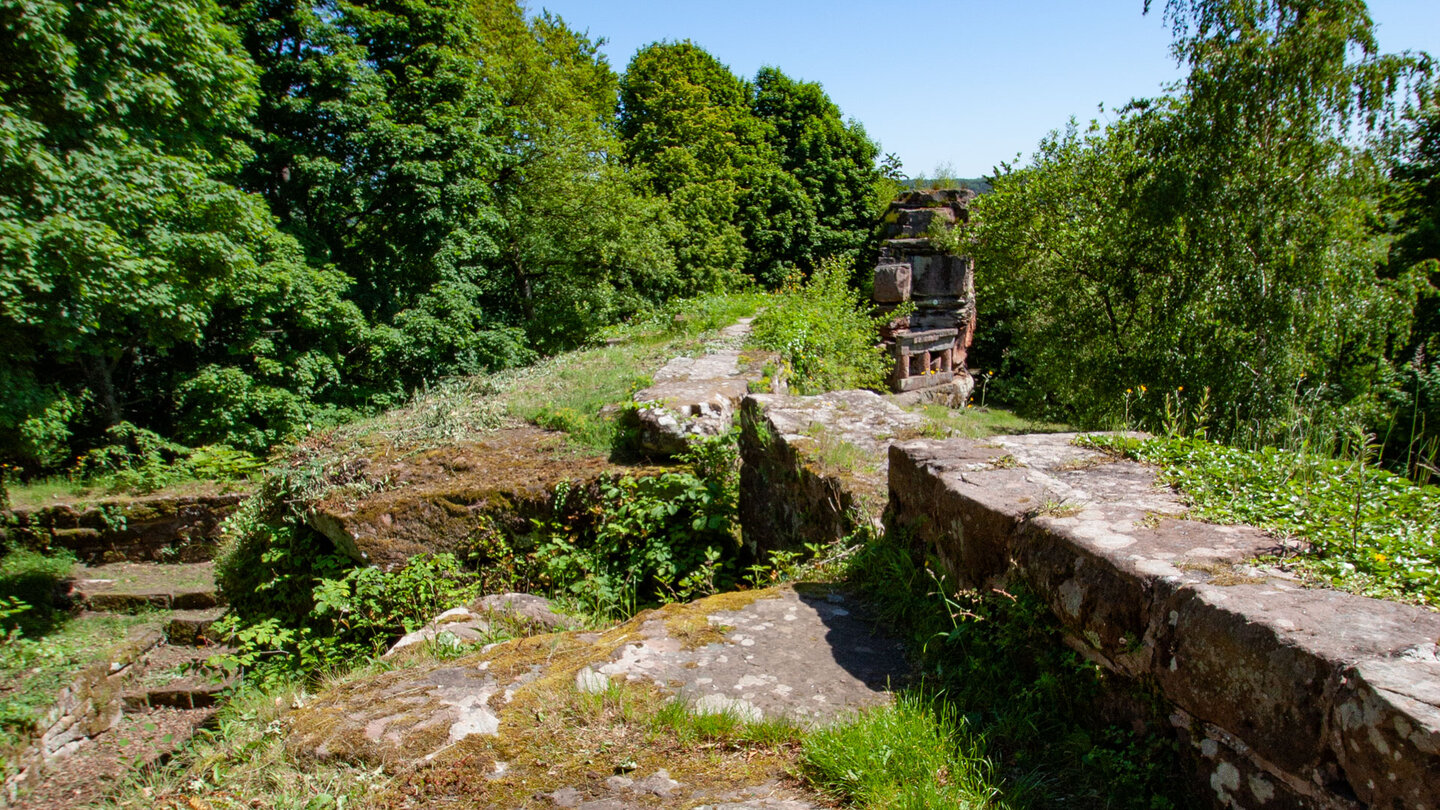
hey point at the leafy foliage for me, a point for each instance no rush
(1368, 530)
(668, 537)
(999, 679)
(120, 239)
(1218, 238)
(763, 178)
(232, 223)
(824, 333)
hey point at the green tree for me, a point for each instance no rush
(833, 161)
(687, 124)
(1414, 206)
(583, 241)
(1217, 238)
(117, 234)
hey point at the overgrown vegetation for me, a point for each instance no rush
(300, 606)
(1229, 236)
(1366, 530)
(241, 759)
(37, 660)
(1009, 711)
(914, 754)
(824, 332)
(233, 223)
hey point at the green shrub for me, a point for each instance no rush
(659, 538)
(824, 333)
(29, 581)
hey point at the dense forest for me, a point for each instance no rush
(225, 223)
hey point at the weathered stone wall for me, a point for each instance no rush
(813, 468)
(90, 705)
(1282, 696)
(929, 345)
(169, 528)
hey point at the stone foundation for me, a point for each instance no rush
(168, 528)
(1283, 696)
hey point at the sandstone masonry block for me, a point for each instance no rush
(1285, 696)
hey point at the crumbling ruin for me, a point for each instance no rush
(929, 344)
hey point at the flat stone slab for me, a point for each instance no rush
(804, 652)
(804, 656)
(131, 586)
(693, 397)
(1287, 696)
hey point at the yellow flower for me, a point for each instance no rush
(1127, 390)
(1380, 557)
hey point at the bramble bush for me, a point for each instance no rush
(824, 333)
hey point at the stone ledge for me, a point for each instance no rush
(1286, 696)
(813, 468)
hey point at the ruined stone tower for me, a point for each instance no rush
(929, 344)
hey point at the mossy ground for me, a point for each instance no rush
(553, 736)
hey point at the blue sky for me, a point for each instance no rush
(967, 83)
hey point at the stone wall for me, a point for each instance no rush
(813, 469)
(91, 704)
(1281, 696)
(168, 528)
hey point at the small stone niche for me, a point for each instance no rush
(930, 343)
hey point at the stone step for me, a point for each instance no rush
(177, 676)
(129, 587)
(191, 628)
(178, 526)
(136, 741)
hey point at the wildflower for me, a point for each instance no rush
(1127, 391)
(1381, 557)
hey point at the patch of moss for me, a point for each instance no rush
(552, 736)
(690, 623)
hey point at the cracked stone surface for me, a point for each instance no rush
(806, 656)
(695, 396)
(1284, 695)
(805, 652)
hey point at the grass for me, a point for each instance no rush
(58, 489)
(578, 392)
(32, 577)
(1006, 711)
(1367, 531)
(582, 393)
(978, 423)
(34, 669)
(834, 453)
(912, 755)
